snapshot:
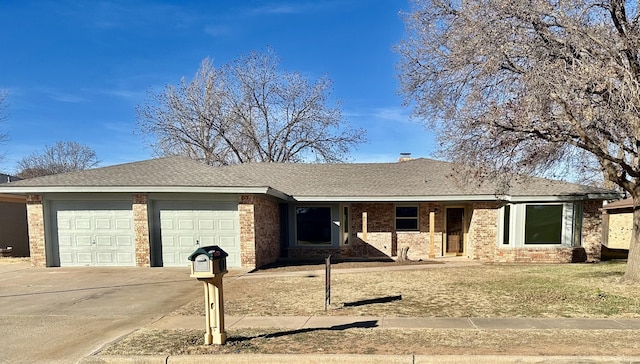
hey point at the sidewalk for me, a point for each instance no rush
(345, 322)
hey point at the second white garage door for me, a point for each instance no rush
(185, 226)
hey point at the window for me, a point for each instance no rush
(313, 225)
(407, 218)
(506, 220)
(522, 224)
(345, 225)
(543, 224)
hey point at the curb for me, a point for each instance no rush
(353, 358)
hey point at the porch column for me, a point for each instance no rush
(35, 222)
(141, 230)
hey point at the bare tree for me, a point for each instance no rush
(3, 117)
(246, 111)
(531, 86)
(60, 158)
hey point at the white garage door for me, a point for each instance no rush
(185, 226)
(95, 233)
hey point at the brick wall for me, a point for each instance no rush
(592, 230)
(483, 239)
(483, 229)
(259, 230)
(141, 230)
(35, 218)
(382, 239)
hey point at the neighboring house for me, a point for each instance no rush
(157, 212)
(617, 219)
(13, 221)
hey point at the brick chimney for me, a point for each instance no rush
(404, 157)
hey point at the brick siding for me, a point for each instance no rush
(35, 219)
(382, 240)
(482, 243)
(259, 230)
(141, 230)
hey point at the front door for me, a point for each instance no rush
(455, 231)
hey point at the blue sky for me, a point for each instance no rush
(75, 70)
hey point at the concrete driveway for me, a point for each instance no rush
(59, 315)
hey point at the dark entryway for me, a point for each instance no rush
(455, 231)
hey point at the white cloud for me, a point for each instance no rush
(62, 96)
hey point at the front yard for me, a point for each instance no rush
(514, 290)
(576, 290)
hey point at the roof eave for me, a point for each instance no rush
(134, 189)
(455, 198)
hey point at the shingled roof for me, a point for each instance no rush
(418, 179)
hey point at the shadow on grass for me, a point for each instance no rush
(373, 301)
(354, 325)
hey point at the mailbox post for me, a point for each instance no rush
(208, 265)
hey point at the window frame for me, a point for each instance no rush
(570, 230)
(406, 218)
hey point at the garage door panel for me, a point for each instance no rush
(81, 240)
(188, 241)
(226, 225)
(105, 258)
(94, 233)
(123, 224)
(82, 224)
(206, 224)
(124, 241)
(202, 222)
(208, 241)
(84, 258)
(186, 224)
(103, 223)
(103, 241)
(125, 258)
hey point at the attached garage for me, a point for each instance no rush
(183, 226)
(92, 233)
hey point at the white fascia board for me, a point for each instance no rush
(457, 198)
(132, 189)
(552, 198)
(449, 198)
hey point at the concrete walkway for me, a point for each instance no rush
(346, 322)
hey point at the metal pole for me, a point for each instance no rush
(327, 300)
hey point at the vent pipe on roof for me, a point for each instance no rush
(404, 157)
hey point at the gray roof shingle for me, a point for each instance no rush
(418, 177)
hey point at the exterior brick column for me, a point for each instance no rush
(259, 230)
(35, 221)
(141, 230)
(246, 210)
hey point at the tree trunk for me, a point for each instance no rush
(404, 252)
(632, 273)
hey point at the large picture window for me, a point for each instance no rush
(407, 218)
(539, 224)
(543, 224)
(313, 225)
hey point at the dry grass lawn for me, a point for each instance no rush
(576, 290)
(563, 290)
